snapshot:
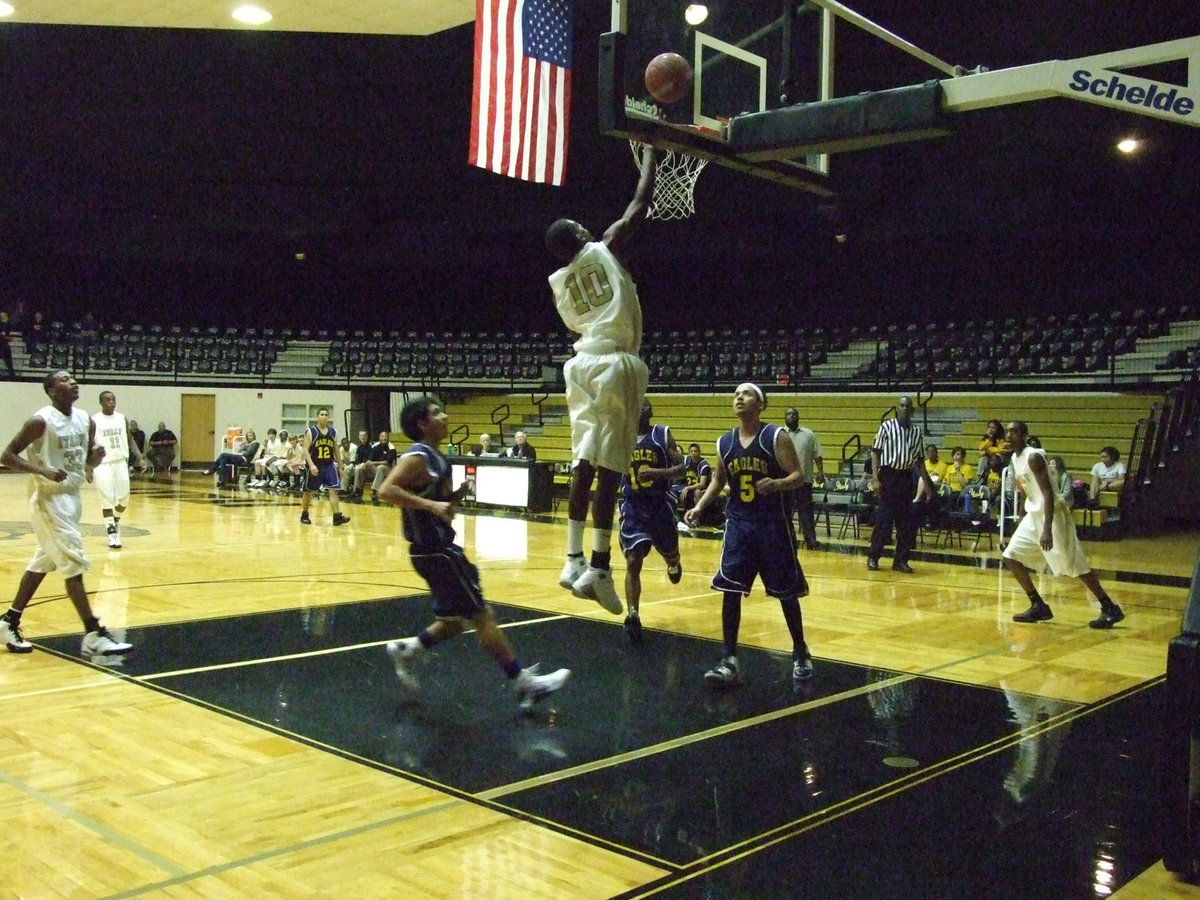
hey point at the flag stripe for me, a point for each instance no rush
(521, 102)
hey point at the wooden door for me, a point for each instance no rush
(197, 429)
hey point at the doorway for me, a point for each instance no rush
(197, 430)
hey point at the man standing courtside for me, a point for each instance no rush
(61, 441)
(606, 380)
(111, 474)
(809, 453)
(897, 459)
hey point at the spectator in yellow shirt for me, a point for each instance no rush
(959, 473)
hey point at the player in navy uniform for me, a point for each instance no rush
(758, 462)
(697, 473)
(419, 484)
(324, 467)
(648, 512)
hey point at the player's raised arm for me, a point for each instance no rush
(620, 231)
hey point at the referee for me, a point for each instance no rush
(896, 456)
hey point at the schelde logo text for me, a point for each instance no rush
(1156, 96)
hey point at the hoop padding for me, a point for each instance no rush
(674, 182)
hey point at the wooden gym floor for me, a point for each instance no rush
(257, 744)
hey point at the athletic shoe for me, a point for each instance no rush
(802, 668)
(532, 686)
(114, 537)
(1108, 618)
(304, 519)
(1037, 612)
(11, 635)
(633, 629)
(675, 572)
(723, 674)
(101, 643)
(597, 584)
(339, 519)
(573, 570)
(404, 657)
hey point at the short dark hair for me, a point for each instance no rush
(1020, 427)
(690, 446)
(562, 240)
(412, 414)
(49, 379)
(1111, 451)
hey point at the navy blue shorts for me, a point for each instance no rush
(326, 475)
(763, 549)
(454, 581)
(652, 523)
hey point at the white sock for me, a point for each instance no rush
(575, 537)
(601, 540)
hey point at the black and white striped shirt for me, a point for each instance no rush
(898, 447)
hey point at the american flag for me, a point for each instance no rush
(522, 103)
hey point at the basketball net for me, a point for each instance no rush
(674, 182)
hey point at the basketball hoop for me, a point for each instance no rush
(674, 182)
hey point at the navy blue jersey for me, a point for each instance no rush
(424, 530)
(323, 448)
(650, 452)
(693, 472)
(744, 468)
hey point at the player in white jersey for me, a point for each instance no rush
(605, 379)
(61, 441)
(1046, 537)
(111, 475)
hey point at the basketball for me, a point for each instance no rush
(668, 77)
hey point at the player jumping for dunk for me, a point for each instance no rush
(605, 379)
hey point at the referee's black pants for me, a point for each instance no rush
(895, 505)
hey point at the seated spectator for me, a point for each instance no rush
(36, 333)
(358, 458)
(293, 470)
(137, 440)
(484, 447)
(521, 448)
(162, 449)
(929, 501)
(959, 473)
(243, 459)
(1061, 482)
(993, 443)
(697, 473)
(6, 345)
(382, 458)
(993, 475)
(268, 454)
(1109, 473)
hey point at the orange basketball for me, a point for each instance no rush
(668, 77)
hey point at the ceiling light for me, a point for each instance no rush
(1128, 145)
(695, 14)
(6, 10)
(251, 15)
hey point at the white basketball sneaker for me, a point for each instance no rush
(101, 643)
(597, 584)
(403, 655)
(532, 686)
(573, 569)
(11, 637)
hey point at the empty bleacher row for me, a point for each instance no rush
(477, 358)
(1098, 348)
(172, 350)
